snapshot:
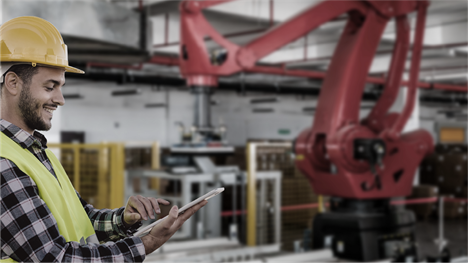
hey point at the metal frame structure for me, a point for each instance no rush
(252, 175)
(225, 175)
(111, 162)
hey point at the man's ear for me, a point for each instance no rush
(11, 83)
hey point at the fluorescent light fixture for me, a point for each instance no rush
(449, 111)
(72, 96)
(155, 105)
(424, 118)
(263, 110)
(264, 100)
(127, 92)
(461, 75)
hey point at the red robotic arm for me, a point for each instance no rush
(340, 155)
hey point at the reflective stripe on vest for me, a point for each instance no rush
(59, 195)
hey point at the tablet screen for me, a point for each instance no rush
(206, 196)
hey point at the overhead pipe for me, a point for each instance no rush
(161, 60)
(111, 65)
(173, 61)
(381, 52)
(442, 68)
(235, 34)
(271, 13)
(239, 87)
(166, 28)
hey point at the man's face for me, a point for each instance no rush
(41, 97)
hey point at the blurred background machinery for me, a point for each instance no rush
(133, 94)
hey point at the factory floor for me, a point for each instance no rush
(455, 232)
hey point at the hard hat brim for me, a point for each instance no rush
(73, 70)
(7, 64)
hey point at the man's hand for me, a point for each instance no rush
(164, 230)
(140, 208)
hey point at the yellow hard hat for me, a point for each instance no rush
(30, 39)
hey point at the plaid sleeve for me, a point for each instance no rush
(29, 231)
(108, 224)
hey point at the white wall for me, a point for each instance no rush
(124, 118)
(106, 118)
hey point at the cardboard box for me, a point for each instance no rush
(464, 193)
(423, 211)
(454, 210)
(427, 168)
(424, 191)
(450, 148)
(452, 174)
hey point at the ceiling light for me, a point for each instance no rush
(461, 75)
(264, 100)
(125, 92)
(308, 109)
(263, 110)
(72, 96)
(449, 111)
(155, 105)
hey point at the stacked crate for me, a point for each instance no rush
(465, 196)
(424, 210)
(446, 169)
(454, 207)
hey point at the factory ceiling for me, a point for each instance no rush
(126, 37)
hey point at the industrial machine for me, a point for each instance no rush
(362, 164)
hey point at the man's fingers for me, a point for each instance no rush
(135, 216)
(148, 207)
(155, 204)
(162, 201)
(171, 217)
(140, 206)
(189, 212)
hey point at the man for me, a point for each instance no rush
(42, 216)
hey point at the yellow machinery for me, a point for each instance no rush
(97, 170)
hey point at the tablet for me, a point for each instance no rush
(142, 231)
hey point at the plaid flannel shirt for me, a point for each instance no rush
(29, 231)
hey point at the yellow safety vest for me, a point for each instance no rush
(59, 195)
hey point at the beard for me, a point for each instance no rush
(30, 108)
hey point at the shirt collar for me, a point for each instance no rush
(22, 137)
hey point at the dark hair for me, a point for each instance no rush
(24, 71)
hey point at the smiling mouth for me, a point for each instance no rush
(49, 110)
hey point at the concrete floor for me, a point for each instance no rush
(455, 232)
